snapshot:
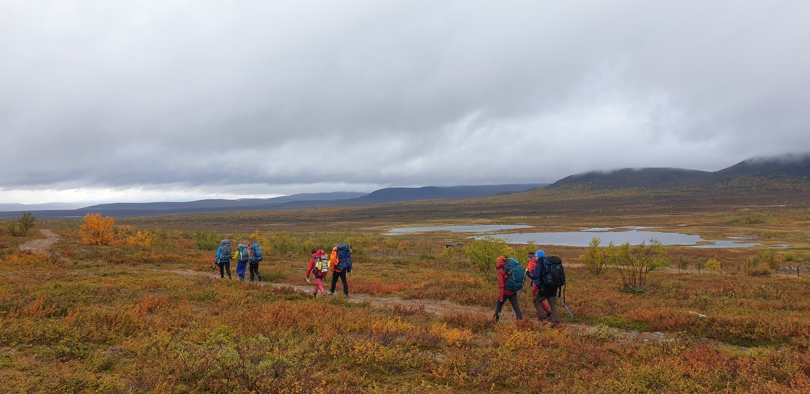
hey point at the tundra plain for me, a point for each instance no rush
(146, 312)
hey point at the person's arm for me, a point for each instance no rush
(311, 266)
(216, 259)
(501, 280)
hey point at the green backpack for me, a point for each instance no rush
(244, 255)
(514, 275)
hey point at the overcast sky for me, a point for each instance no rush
(166, 100)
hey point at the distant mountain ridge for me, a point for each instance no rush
(296, 201)
(788, 167)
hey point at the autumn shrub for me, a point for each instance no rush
(483, 252)
(97, 230)
(23, 224)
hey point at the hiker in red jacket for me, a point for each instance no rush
(530, 267)
(505, 294)
(319, 274)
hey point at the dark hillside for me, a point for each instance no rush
(791, 166)
(655, 178)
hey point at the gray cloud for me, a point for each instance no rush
(275, 97)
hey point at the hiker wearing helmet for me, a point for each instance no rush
(530, 267)
(505, 294)
(544, 292)
(319, 267)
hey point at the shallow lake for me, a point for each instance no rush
(630, 234)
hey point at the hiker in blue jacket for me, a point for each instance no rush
(223, 258)
(544, 293)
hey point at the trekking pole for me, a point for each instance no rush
(562, 299)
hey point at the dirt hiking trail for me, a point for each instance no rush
(42, 245)
(435, 307)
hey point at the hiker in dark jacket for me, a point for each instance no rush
(254, 263)
(544, 293)
(337, 274)
(223, 258)
(545, 311)
(505, 294)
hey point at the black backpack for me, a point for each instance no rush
(553, 272)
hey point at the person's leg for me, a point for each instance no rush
(537, 300)
(498, 306)
(258, 275)
(345, 283)
(552, 300)
(228, 268)
(319, 285)
(514, 300)
(222, 270)
(252, 270)
(334, 283)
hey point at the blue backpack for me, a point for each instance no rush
(344, 253)
(256, 250)
(514, 275)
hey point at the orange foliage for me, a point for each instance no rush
(97, 231)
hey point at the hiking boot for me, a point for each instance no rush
(330, 293)
(555, 324)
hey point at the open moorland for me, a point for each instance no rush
(136, 307)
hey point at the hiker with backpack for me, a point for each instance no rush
(242, 257)
(255, 257)
(549, 276)
(319, 267)
(530, 267)
(340, 262)
(223, 259)
(510, 282)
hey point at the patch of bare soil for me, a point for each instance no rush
(42, 245)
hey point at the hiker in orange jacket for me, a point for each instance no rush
(316, 253)
(336, 273)
(505, 294)
(530, 267)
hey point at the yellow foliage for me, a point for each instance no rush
(97, 231)
(141, 238)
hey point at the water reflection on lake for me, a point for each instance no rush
(630, 234)
(484, 228)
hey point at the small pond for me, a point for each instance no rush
(629, 234)
(484, 228)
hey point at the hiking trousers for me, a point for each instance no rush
(319, 286)
(513, 299)
(552, 301)
(542, 312)
(254, 269)
(223, 267)
(342, 276)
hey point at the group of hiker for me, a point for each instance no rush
(244, 255)
(338, 262)
(547, 276)
(545, 272)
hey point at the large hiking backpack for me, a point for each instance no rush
(344, 254)
(224, 251)
(321, 265)
(553, 272)
(256, 250)
(514, 275)
(244, 255)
